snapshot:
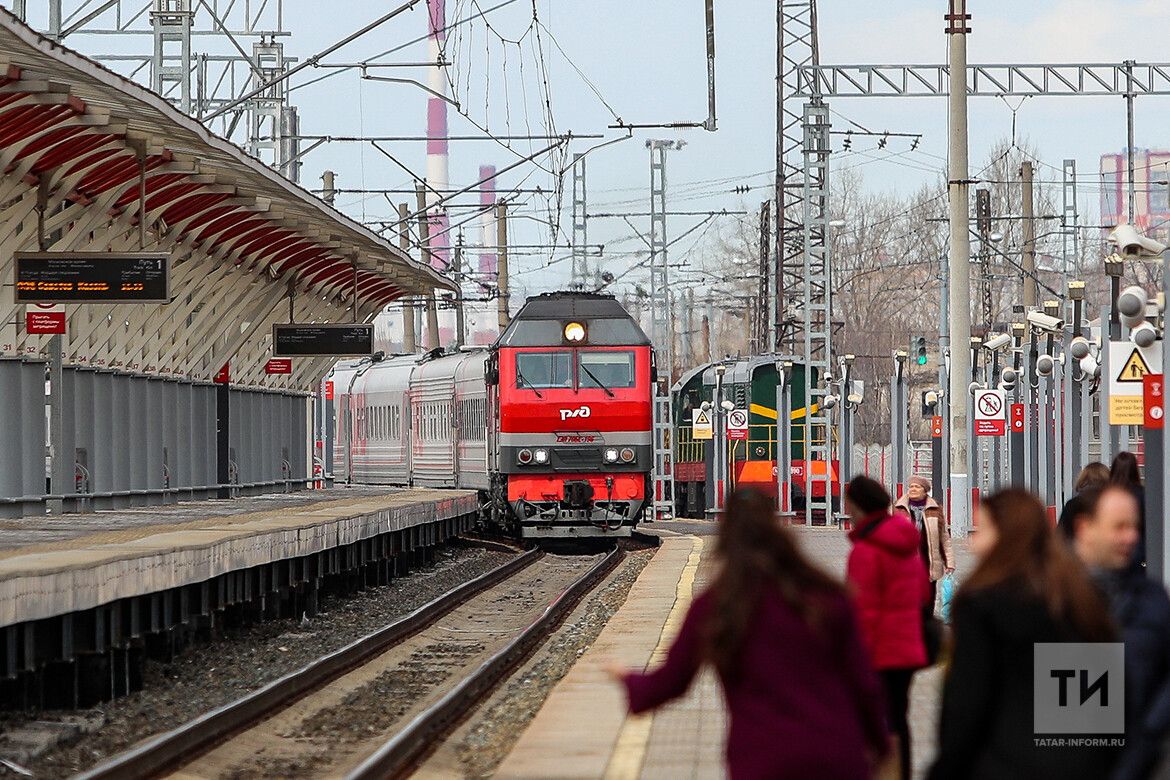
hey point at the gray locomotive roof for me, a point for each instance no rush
(567, 305)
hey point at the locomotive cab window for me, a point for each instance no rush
(606, 369)
(544, 370)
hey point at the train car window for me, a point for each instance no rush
(611, 369)
(544, 369)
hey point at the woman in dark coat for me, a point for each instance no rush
(1125, 472)
(784, 640)
(1028, 588)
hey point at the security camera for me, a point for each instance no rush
(1130, 242)
(1079, 347)
(1009, 376)
(1132, 301)
(974, 387)
(1041, 321)
(1089, 366)
(997, 342)
(829, 402)
(705, 406)
(1045, 364)
(727, 406)
(1144, 335)
(931, 398)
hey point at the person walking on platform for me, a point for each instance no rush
(1105, 538)
(891, 588)
(931, 524)
(784, 640)
(1027, 588)
(1094, 475)
(1125, 472)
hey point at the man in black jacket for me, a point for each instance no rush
(1105, 539)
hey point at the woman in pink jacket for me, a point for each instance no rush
(890, 589)
(784, 639)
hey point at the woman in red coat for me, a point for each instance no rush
(890, 589)
(784, 639)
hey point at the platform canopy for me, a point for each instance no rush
(85, 152)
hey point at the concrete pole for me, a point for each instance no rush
(458, 271)
(431, 336)
(409, 338)
(959, 264)
(502, 264)
(1029, 225)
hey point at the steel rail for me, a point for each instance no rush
(398, 756)
(179, 746)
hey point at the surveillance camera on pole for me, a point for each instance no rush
(1080, 347)
(1008, 378)
(1045, 322)
(1131, 305)
(974, 388)
(1132, 243)
(829, 402)
(1045, 365)
(997, 342)
(1144, 335)
(1090, 367)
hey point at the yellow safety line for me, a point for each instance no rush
(630, 749)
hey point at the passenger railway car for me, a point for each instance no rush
(552, 424)
(749, 383)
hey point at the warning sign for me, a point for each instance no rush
(1128, 366)
(936, 427)
(990, 419)
(701, 427)
(1154, 401)
(737, 424)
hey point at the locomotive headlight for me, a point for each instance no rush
(611, 455)
(575, 332)
(540, 456)
(524, 457)
(627, 455)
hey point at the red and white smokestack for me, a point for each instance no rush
(487, 222)
(437, 162)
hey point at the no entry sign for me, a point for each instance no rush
(990, 413)
(737, 424)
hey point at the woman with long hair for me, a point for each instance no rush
(1126, 473)
(784, 640)
(1027, 588)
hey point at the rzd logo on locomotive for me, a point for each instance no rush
(583, 411)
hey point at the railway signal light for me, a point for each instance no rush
(918, 350)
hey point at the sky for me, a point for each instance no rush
(645, 59)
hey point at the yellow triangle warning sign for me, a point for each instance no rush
(1134, 369)
(701, 417)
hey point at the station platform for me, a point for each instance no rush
(686, 738)
(82, 595)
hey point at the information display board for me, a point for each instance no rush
(334, 340)
(92, 277)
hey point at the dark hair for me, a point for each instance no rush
(1095, 474)
(1081, 505)
(1028, 555)
(755, 553)
(867, 494)
(1125, 470)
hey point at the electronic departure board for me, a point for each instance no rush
(92, 277)
(341, 340)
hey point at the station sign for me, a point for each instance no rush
(701, 427)
(334, 340)
(990, 413)
(278, 366)
(1154, 401)
(737, 424)
(1128, 366)
(92, 277)
(45, 319)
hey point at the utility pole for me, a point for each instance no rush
(1028, 213)
(760, 325)
(502, 263)
(1129, 96)
(458, 274)
(409, 338)
(580, 271)
(328, 187)
(431, 336)
(959, 263)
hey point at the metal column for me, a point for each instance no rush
(580, 273)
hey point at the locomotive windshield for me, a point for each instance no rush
(544, 369)
(610, 369)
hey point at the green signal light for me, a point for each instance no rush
(922, 360)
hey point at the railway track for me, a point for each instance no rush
(372, 708)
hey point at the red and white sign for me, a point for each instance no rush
(224, 376)
(1017, 418)
(278, 366)
(936, 427)
(329, 390)
(1154, 400)
(45, 318)
(737, 424)
(990, 413)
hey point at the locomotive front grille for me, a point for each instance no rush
(577, 458)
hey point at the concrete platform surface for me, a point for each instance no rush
(194, 542)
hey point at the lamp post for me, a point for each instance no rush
(784, 435)
(1113, 438)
